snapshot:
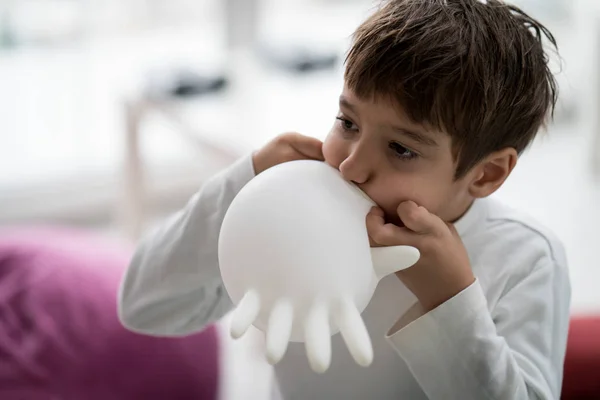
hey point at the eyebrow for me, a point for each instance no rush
(415, 136)
(345, 103)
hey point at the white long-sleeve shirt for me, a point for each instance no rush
(503, 337)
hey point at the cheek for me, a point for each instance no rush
(333, 151)
(388, 194)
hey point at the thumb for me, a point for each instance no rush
(308, 146)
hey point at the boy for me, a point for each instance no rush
(440, 98)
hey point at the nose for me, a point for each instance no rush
(356, 167)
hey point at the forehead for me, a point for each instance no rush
(383, 108)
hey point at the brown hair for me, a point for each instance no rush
(476, 70)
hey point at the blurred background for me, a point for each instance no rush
(114, 112)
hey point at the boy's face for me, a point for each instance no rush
(375, 145)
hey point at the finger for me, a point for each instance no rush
(354, 333)
(245, 314)
(374, 219)
(378, 211)
(386, 234)
(452, 229)
(418, 219)
(309, 146)
(279, 330)
(318, 338)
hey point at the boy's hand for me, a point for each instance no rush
(287, 147)
(443, 269)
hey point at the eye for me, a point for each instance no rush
(347, 125)
(402, 152)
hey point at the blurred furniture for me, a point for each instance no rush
(59, 333)
(61, 139)
(258, 103)
(582, 363)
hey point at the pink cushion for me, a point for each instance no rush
(582, 361)
(59, 333)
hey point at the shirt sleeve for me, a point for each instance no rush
(173, 285)
(462, 350)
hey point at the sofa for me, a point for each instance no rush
(60, 337)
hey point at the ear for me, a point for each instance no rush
(491, 173)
